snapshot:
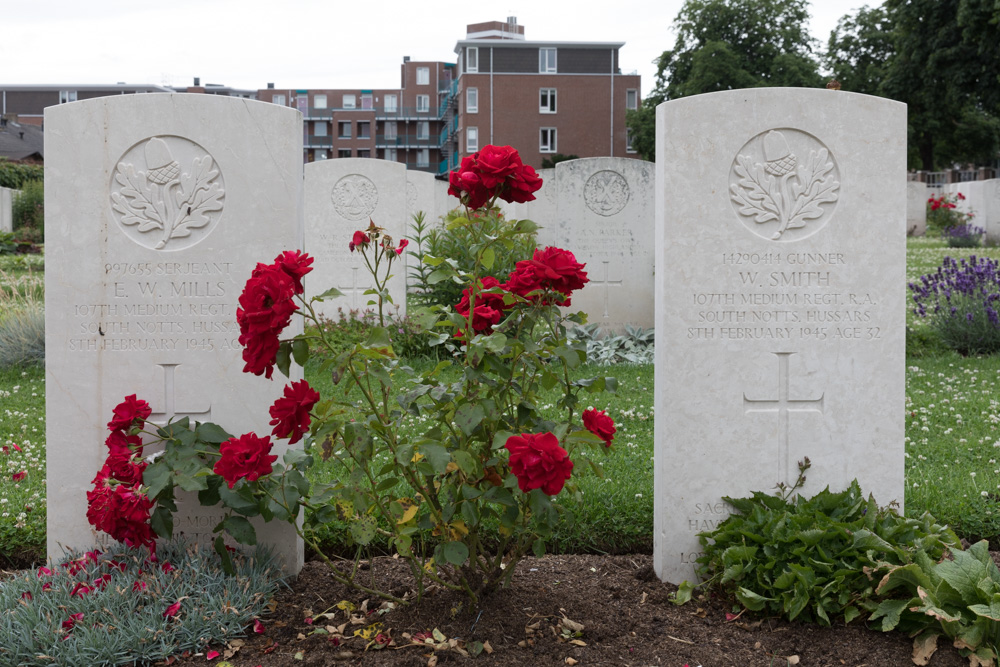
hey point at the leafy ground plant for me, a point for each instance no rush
(635, 346)
(812, 559)
(126, 606)
(963, 236)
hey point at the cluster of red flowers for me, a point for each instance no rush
(117, 505)
(290, 413)
(494, 171)
(943, 201)
(361, 240)
(549, 270)
(266, 308)
(244, 457)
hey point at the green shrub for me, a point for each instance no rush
(961, 302)
(22, 337)
(813, 559)
(452, 242)
(7, 244)
(15, 175)
(29, 208)
(943, 213)
(635, 346)
(351, 327)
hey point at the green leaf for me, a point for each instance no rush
(488, 257)
(363, 529)
(438, 456)
(241, 530)
(283, 360)
(538, 547)
(751, 600)
(683, 594)
(162, 522)
(212, 433)
(386, 484)
(378, 337)
(468, 417)
(331, 293)
(300, 351)
(455, 553)
(525, 227)
(439, 275)
(156, 478)
(227, 561)
(209, 496)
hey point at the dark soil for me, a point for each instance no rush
(624, 611)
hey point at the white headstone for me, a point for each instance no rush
(982, 200)
(543, 210)
(916, 208)
(7, 209)
(157, 208)
(605, 218)
(780, 279)
(341, 196)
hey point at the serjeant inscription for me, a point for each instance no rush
(606, 193)
(354, 197)
(776, 195)
(167, 193)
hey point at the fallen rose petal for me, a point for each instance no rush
(172, 610)
(258, 627)
(212, 655)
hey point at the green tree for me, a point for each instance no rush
(860, 50)
(724, 45)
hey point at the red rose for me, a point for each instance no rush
(246, 456)
(121, 445)
(399, 248)
(296, 264)
(600, 424)
(466, 184)
(18, 476)
(539, 462)
(359, 241)
(556, 269)
(266, 308)
(489, 307)
(495, 163)
(522, 185)
(290, 414)
(128, 411)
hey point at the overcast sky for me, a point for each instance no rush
(308, 43)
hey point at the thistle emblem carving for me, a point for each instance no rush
(776, 194)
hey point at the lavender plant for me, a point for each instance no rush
(963, 236)
(960, 301)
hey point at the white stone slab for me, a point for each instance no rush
(7, 209)
(916, 208)
(605, 218)
(982, 200)
(543, 210)
(341, 196)
(131, 310)
(776, 345)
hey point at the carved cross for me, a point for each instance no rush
(608, 284)
(354, 290)
(170, 411)
(783, 405)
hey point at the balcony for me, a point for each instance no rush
(313, 141)
(405, 141)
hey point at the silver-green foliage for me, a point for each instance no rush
(22, 337)
(635, 346)
(121, 625)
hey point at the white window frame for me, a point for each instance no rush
(472, 60)
(350, 101)
(391, 104)
(471, 139)
(423, 76)
(471, 100)
(629, 136)
(546, 100)
(424, 157)
(278, 99)
(547, 140)
(631, 98)
(319, 129)
(423, 129)
(67, 96)
(391, 129)
(319, 101)
(342, 124)
(426, 106)
(391, 154)
(364, 123)
(544, 66)
(369, 98)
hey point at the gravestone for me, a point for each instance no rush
(916, 208)
(6, 210)
(158, 207)
(341, 196)
(982, 200)
(780, 303)
(543, 210)
(605, 218)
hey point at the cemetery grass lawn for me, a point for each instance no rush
(22, 503)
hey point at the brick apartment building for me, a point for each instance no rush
(542, 97)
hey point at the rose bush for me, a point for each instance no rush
(468, 490)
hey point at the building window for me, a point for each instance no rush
(390, 129)
(631, 98)
(547, 61)
(629, 148)
(321, 155)
(364, 152)
(350, 102)
(366, 101)
(319, 129)
(547, 140)
(390, 103)
(67, 96)
(471, 59)
(423, 103)
(472, 100)
(364, 129)
(423, 158)
(319, 101)
(344, 152)
(278, 99)
(471, 139)
(390, 154)
(344, 129)
(547, 100)
(423, 76)
(423, 129)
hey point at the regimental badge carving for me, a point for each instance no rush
(355, 197)
(167, 193)
(784, 185)
(411, 197)
(606, 193)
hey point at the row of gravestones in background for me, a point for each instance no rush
(776, 236)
